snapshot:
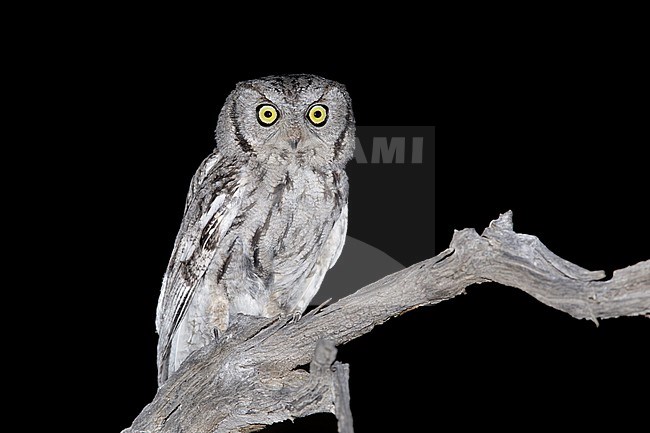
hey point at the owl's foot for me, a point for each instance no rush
(290, 317)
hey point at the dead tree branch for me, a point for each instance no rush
(251, 377)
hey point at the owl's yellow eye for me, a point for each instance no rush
(318, 115)
(267, 114)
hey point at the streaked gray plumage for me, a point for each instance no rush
(266, 213)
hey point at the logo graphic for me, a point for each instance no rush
(402, 153)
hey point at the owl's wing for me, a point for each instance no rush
(212, 204)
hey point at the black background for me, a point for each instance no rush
(554, 131)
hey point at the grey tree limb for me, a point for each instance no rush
(252, 376)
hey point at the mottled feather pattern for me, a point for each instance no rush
(265, 216)
(212, 192)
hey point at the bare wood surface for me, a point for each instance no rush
(251, 377)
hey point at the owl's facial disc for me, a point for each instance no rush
(301, 118)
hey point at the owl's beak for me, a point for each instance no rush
(294, 136)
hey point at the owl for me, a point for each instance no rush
(266, 213)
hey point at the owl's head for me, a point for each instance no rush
(302, 119)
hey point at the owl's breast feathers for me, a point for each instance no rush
(291, 214)
(263, 238)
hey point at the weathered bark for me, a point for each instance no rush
(251, 378)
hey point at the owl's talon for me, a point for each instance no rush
(216, 333)
(295, 316)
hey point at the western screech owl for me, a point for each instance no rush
(266, 212)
